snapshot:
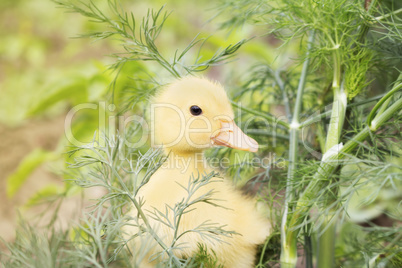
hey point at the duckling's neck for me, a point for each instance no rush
(187, 162)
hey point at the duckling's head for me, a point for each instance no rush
(193, 114)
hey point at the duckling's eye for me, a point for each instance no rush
(195, 110)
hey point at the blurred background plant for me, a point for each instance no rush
(304, 87)
(45, 71)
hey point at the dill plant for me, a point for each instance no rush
(111, 168)
(343, 56)
(336, 87)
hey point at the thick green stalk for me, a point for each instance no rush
(326, 167)
(288, 238)
(329, 165)
(319, 116)
(326, 238)
(337, 118)
(326, 243)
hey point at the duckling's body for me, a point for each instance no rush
(166, 187)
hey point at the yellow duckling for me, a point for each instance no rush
(189, 116)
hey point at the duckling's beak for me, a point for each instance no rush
(230, 135)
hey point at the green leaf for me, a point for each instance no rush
(74, 87)
(26, 167)
(44, 194)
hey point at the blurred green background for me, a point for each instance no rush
(45, 71)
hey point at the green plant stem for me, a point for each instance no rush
(288, 239)
(326, 243)
(393, 13)
(281, 85)
(328, 166)
(326, 239)
(261, 261)
(321, 136)
(308, 248)
(394, 89)
(337, 117)
(268, 117)
(319, 116)
(363, 30)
